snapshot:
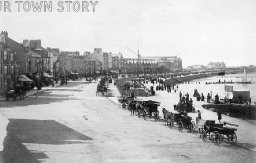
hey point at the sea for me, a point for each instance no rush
(202, 87)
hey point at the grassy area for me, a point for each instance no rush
(140, 90)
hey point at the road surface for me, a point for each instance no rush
(72, 124)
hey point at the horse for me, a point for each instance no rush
(132, 107)
(168, 116)
(141, 110)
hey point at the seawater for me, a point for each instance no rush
(219, 88)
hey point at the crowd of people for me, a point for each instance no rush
(185, 103)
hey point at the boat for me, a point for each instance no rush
(244, 80)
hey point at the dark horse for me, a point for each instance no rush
(168, 116)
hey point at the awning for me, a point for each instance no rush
(23, 78)
(47, 75)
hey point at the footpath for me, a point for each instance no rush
(113, 93)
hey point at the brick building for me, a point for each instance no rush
(13, 62)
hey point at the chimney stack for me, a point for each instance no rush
(5, 33)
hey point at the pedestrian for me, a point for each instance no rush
(199, 115)
(208, 97)
(216, 99)
(219, 115)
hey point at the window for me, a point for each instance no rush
(5, 55)
(0, 68)
(11, 56)
(12, 69)
(5, 70)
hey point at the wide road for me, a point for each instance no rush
(72, 124)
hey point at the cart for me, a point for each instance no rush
(182, 120)
(149, 109)
(219, 132)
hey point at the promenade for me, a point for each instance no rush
(246, 131)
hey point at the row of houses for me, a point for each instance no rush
(109, 62)
(31, 58)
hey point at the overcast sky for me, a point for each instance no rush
(198, 31)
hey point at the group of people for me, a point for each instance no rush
(198, 96)
(185, 103)
(164, 87)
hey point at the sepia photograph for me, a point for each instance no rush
(127, 81)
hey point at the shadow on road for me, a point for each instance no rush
(16, 152)
(251, 146)
(38, 132)
(45, 97)
(44, 132)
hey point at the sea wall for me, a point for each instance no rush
(188, 78)
(234, 110)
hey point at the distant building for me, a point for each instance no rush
(107, 61)
(170, 62)
(196, 67)
(89, 66)
(117, 62)
(65, 59)
(97, 56)
(212, 65)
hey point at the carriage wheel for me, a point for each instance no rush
(203, 135)
(232, 138)
(180, 126)
(217, 138)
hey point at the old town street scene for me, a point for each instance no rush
(145, 81)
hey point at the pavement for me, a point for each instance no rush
(72, 124)
(34, 91)
(114, 93)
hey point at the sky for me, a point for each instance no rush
(198, 31)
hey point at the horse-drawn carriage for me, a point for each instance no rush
(17, 92)
(125, 99)
(218, 132)
(150, 109)
(182, 106)
(142, 108)
(182, 120)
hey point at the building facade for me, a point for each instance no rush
(213, 65)
(170, 62)
(11, 53)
